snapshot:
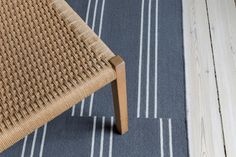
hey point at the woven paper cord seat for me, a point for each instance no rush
(49, 61)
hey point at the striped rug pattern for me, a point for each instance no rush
(148, 35)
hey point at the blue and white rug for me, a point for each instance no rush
(148, 35)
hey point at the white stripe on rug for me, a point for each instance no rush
(102, 137)
(24, 146)
(156, 61)
(82, 108)
(43, 140)
(87, 12)
(101, 19)
(161, 138)
(91, 104)
(111, 137)
(170, 137)
(94, 14)
(148, 58)
(140, 60)
(93, 136)
(33, 143)
(73, 111)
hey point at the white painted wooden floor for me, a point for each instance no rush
(210, 61)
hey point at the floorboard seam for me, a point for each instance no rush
(216, 79)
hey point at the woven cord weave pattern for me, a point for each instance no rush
(46, 50)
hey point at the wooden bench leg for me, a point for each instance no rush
(120, 95)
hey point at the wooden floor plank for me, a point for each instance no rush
(204, 122)
(222, 19)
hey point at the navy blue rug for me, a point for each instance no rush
(148, 35)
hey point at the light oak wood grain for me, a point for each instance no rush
(120, 95)
(222, 19)
(203, 117)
